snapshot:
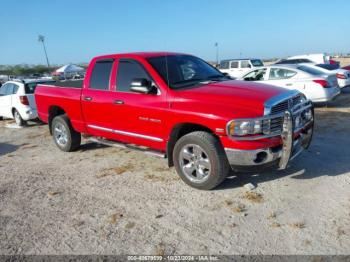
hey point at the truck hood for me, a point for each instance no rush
(233, 99)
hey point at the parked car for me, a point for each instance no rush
(342, 75)
(202, 121)
(346, 67)
(313, 83)
(17, 100)
(316, 58)
(237, 67)
(294, 61)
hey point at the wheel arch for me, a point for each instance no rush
(53, 112)
(179, 131)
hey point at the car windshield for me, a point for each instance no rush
(310, 70)
(30, 87)
(256, 62)
(181, 71)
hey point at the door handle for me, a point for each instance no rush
(118, 102)
(289, 84)
(87, 98)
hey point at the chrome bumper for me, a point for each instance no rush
(289, 149)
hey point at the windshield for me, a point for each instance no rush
(329, 66)
(181, 71)
(310, 70)
(256, 62)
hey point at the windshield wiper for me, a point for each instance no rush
(218, 77)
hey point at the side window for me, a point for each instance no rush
(245, 64)
(280, 73)
(3, 90)
(234, 64)
(101, 74)
(6, 89)
(224, 65)
(256, 75)
(15, 89)
(128, 70)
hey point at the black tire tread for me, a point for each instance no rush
(75, 137)
(214, 146)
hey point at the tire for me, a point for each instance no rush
(18, 119)
(64, 136)
(200, 160)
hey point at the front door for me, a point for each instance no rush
(140, 116)
(96, 99)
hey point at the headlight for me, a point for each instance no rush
(244, 127)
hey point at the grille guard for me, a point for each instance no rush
(298, 109)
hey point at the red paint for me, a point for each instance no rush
(211, 105)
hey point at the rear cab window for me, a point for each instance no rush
(101, 74)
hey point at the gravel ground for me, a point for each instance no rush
(102, 200)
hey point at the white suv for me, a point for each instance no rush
(238, 67)
(17, 100)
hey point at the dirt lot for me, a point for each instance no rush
(105, 200)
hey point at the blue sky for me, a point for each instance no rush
(76, 31)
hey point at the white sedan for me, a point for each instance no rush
(313, 83)
(343, 76)
(17, 100)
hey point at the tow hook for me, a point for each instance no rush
(287, 138)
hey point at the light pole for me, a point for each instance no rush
(217, 53)
(41, 39)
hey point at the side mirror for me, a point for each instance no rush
(143, 86)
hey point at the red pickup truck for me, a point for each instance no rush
(180, 107)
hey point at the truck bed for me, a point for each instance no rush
(69, 83)
(62, 95)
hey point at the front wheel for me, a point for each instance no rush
(18, 119)
(64, 136)
(200, 160)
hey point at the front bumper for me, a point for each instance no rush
(294, 141)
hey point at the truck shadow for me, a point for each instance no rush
(6, 148)
(328, 155)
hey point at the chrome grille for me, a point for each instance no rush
(285, 105)
(280, 107)
(276, 124)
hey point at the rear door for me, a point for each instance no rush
(234, 69)
(284, 78)
(96, 100)
(245, 67)
(5, 100)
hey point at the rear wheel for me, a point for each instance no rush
(18, 119)
(64, 136)
(200, 160)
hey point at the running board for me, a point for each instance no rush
(145, 150)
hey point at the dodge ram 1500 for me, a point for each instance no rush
(179, 107)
